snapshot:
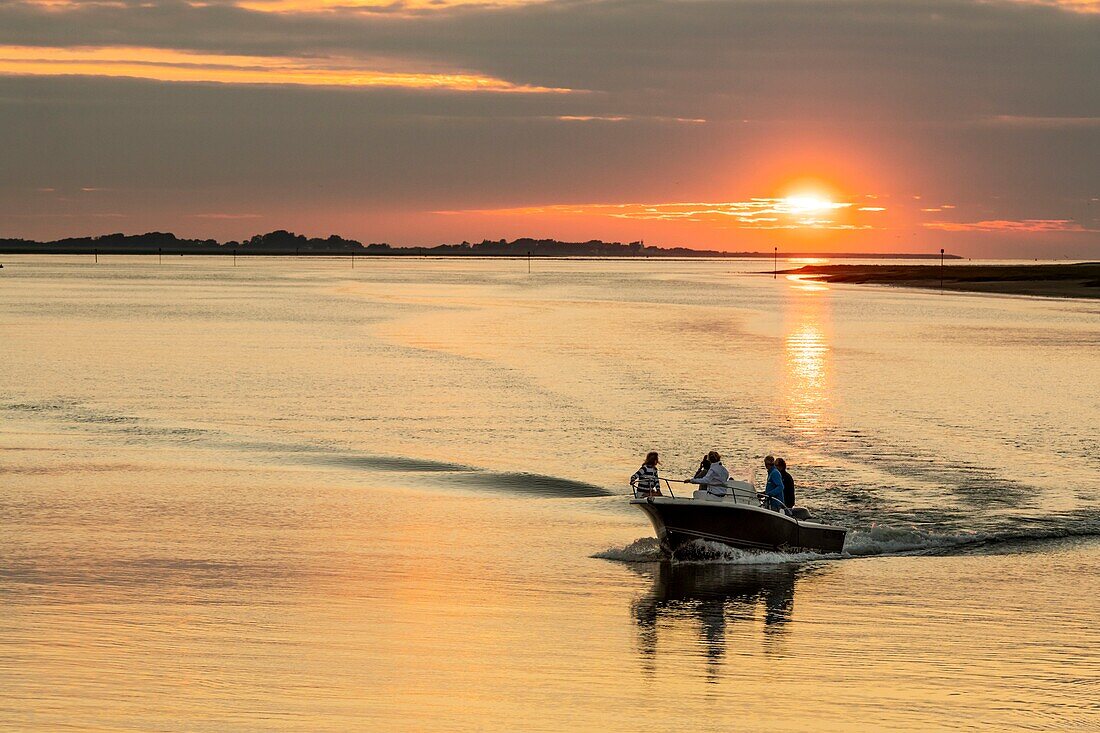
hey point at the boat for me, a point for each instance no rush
(738, 520)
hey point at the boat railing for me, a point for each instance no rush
(634, 488)
(769, 501)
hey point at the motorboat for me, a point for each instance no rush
(738, 519)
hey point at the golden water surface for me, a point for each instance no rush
(296, 495)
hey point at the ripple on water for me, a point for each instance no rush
(528, 483)
(876, 540)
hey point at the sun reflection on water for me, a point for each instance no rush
(806, 282)
(806, 362)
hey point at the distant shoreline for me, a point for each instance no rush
(1081, 280)
(281, 243)
(428, 253)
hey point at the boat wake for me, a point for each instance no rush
(76, 415)
(878, 540)
(648, 549)
(643, 549)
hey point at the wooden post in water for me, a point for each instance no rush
(96, 251)
(941, 269)
(528, 262)
(775, 264)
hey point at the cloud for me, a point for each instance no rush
(1074, 6)
(1011, 225)
(629, 118)
(1043, 123)
(180, 66)
(757, 213)
(751, 59)
(388, 7)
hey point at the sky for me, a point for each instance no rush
(806, 125)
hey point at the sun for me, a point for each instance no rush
(806, 203)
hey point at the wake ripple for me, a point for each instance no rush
(878, 540)
(132, 428)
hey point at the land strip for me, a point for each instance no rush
(1080, 280)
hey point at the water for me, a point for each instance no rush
(293, 495)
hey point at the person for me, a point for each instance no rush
(645, 481)
(788, 483)
(774, 488)
(704, 466)
(713, 481)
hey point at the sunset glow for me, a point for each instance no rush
(485, 366)
(792, 212)
(430, 121)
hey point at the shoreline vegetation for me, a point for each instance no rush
(287, 243)
(1080, 280)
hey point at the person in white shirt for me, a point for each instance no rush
(714, 481)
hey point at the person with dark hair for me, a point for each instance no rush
(774, 488)
(704, 466)
(713, 481)
(645, 481)
(788, 483)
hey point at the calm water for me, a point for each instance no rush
(293, 495)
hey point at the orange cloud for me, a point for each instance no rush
(408, 7)
(170, 65)
(1076, 6)
(413, 7)
(391, 8)
(1043, 123)
(1010, 225)
(756, 213)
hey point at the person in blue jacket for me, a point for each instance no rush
(774, 488)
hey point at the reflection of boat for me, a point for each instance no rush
(703, 585)
(710, 598)
(736, 520)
